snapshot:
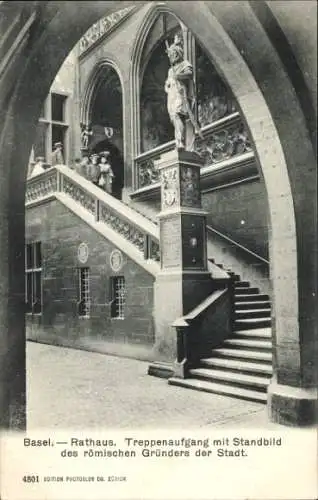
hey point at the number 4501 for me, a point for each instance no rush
(31, 479)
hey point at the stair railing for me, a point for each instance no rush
(202, 329)
(237, 245)
(104, 208)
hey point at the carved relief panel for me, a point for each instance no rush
(190, 187)
(170, 193)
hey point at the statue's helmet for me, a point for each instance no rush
(176, 47)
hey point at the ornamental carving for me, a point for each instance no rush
(103, 26)
(116, 260)
(223, 144)
(79, 195)
(124, 228)
(190, 187)
(41, 188)
(82, 252)
(148, 173)
(169, 187)
(47, 183)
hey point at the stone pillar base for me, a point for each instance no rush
(292, 405)
(176, 293)
(161, 369)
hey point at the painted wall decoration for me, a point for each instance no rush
(156, 127)
(214, 99)
(82, 253)
(102, 27)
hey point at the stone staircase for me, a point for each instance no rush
(242, 366)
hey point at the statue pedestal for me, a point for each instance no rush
(84, 151)
(184, 280)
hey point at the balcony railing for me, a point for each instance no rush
(41, 186)
(135, 228)
(222, 140)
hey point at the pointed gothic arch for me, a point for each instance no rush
(105, 85)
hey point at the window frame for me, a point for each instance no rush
(47, 119)
(83, 295)
(118, 304)
(35, 307)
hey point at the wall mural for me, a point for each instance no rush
(156, 127)
(214, 99)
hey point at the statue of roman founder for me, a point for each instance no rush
(180, 96)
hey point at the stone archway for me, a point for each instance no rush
(59, 26)
(103, 108)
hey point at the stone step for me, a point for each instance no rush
(264, 333)
(235, 365)
(242, 284)
(236, 277)
(252, 313)
(237, 379)
(251, 297)
(257, 304)
(249, 323)
(248, 343)
(245, 290)
(242, 354)
(227, 390)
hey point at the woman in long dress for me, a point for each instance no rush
(93, 169)
(106, 176)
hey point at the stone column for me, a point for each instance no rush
(183, 281)
(292, 393)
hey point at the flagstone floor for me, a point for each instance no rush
(68, 388)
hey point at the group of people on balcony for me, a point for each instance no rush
(97, 169)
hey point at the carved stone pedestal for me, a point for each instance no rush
(184, 280)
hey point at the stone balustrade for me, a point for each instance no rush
(135, 228)
(222, 140)
(78, 194)
(41, 186)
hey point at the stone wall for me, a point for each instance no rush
(117, 49)
(241, 213)
(60, 233)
